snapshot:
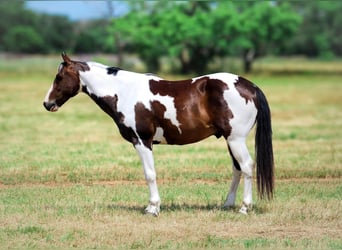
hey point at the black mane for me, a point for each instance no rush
(113, 70)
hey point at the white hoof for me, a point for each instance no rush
(153, 209)
(244, 209)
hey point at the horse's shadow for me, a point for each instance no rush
(256, 209)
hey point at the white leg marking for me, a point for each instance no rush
(241, 154)
(230, 201)
(247, 194)
(146, 157)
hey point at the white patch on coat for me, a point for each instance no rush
(131, 88)
(244, 114)
(170, 112)
(225, 77)
(159, 136)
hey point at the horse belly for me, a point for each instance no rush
(194, 135)
(186, 134)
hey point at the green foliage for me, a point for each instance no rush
(24, 31)
(319, 33)
(33, 42)
(192, 33)
(56, 31)
(197, 32)
(268, 26)
(90, 38)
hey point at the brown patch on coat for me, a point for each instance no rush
(246, 89)
(109, 105)
(200, 106)
(220, 112)
(145, 124)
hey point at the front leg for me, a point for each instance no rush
(230, 201)
(146, 157)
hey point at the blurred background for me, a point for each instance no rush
(182, 37)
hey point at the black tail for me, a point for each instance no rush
(263, 148)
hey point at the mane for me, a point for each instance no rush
(112, 70)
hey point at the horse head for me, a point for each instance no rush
(66, 84)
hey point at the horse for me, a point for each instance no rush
(149, 110)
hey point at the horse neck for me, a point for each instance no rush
(98, 82)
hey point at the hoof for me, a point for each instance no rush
(228, 206)
(153, 209)
(244, 209)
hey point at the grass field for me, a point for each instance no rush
(68, 180)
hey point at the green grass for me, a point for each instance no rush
(68, 179)
(100, 216)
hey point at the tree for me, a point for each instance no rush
(196, 32)
(30, 41)
(256, 28)
(58, 32)
(90, 37)
(319, 34)
(12, 14)
(167, 29)
(24, 31)
(138, 32)
(189, 34)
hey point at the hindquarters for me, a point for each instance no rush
(255, 109)
(232, 105)
(243, 105)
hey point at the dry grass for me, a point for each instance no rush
(69, 180)
(87, 216)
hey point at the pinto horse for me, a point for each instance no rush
(149, 110)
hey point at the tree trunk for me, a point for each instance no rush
(195, 61)
(119, 49)
(248, 58)
(185, 62)
(117, 40)
(152, 64)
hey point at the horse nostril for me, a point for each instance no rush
(48, 105)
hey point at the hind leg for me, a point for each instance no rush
(231, 196)
(240, 152)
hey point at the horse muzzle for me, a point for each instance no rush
(50, 106)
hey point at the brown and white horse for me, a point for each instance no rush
(149, 110)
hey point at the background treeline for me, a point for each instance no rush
(191, 33)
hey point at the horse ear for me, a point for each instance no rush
(201, 85)
(65, 58)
